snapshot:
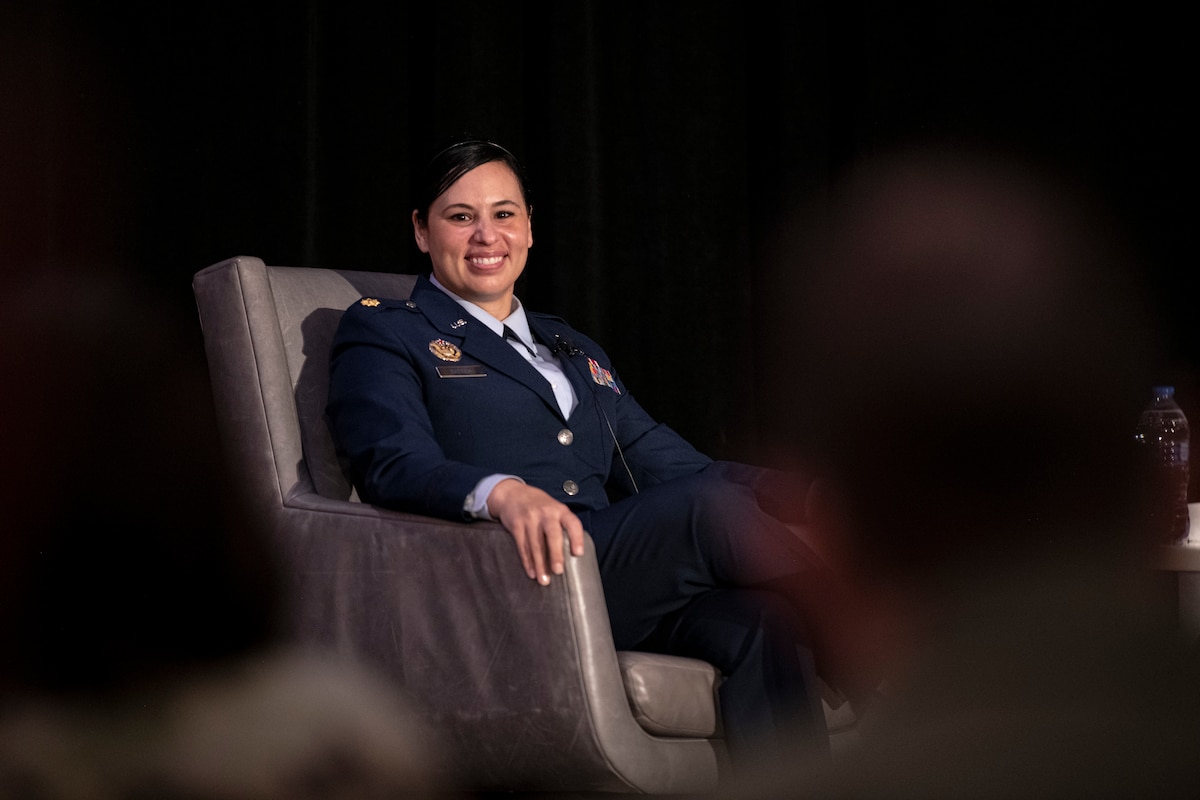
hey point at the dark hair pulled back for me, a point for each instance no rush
(452, 162)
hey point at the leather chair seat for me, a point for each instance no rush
(670, 695)
(674, 696)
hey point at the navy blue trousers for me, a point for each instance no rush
(694, 567)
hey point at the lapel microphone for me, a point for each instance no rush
(564, 346)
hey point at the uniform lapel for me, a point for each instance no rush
(575, 367)
(478, 342)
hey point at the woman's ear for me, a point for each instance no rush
(420, 233)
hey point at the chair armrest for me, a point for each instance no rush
(518, 680)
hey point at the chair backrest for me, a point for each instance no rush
(274, 326)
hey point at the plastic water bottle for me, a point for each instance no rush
(1162, 439)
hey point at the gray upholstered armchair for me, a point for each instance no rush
(521, 682)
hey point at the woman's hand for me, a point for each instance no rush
(538, 524)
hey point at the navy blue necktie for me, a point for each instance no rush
(510, 334)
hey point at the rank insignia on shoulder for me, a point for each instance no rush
(369, 302)
(444, 350)
(602, 376)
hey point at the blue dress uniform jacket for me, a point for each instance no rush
(425, 402)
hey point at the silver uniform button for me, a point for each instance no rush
(571, 488)
(565, 436)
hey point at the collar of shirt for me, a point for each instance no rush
(545, 362)
(516, 320)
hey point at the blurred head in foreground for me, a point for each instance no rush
(974, 355)
(143, 654)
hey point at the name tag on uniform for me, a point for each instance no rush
(462, 371)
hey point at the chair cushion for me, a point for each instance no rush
(670, 695)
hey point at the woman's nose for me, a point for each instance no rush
(485, 231)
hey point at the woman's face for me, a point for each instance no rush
(478, 234)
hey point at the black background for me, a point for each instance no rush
(667, 142)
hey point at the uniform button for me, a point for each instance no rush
(571, 488)
(565, 436)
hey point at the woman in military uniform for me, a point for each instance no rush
(459, 403)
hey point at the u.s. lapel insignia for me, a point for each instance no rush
(369, 302)
(444, 350)
(602, 376)
(458, 323)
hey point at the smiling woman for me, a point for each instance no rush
(478, 230)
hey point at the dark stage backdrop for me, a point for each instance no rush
(668, 143)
